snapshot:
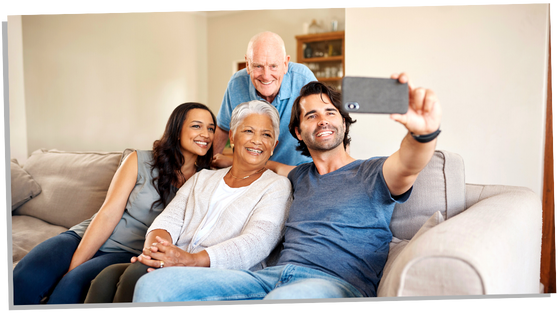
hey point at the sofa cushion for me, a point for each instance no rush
(28, 232)
(440, 186)
(24, 187)
(74, 184)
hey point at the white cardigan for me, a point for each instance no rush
(245, 233)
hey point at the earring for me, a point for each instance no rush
(272, 153)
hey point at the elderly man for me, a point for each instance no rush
(337, 233)
(269, 76)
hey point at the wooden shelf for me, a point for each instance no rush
(334, 42)
(320, 37)
(323, 59)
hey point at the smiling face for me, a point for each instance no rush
(197, 133)
(267, 64)
(253, 141)
(321, 126)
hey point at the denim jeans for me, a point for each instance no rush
(174, 284)
(42, 272)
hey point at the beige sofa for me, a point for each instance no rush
(55, 190)
(450, 238)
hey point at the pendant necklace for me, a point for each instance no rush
(231, 173)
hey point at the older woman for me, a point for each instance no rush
(229, 218)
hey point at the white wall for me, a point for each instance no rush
(18, 130)
(109, 81)
(488, 66)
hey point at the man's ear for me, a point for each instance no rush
(296, 130)
(286, 62)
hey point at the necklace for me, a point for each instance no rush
(262, 169)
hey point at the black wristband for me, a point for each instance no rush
(426, 138)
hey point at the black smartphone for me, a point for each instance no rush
(374, 95)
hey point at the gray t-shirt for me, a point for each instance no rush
(339, 222)
(130, 232)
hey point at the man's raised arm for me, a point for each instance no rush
(422, 121)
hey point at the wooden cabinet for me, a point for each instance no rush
(323, 53)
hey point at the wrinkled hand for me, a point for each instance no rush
(163, 251)
(424, 111)
(221, 161)
(146, 257)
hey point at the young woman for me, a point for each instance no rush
(228, 218)
(60, 270)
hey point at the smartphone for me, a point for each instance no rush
(374, 95)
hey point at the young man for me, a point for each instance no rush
(337, 234)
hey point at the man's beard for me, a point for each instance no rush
(313, 145)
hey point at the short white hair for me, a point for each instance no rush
(255, 107)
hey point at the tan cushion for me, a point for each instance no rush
(439, 187)
(74, 184)
(24, 187)
(28, 232)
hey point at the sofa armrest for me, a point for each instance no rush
(493, 247)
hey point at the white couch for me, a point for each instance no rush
(453, 238)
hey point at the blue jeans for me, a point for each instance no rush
(41, 273)
(173, 284)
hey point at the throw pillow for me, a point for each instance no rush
(24, 187)
(440, 186)
(74, 184)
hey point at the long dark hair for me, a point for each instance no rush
(168, 158)
(311, 88)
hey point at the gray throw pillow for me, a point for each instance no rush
(24, 187)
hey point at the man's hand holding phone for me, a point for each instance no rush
(424, 111)
(417, 109)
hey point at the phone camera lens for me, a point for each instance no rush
(352, 106)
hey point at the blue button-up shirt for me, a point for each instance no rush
(240, 89)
